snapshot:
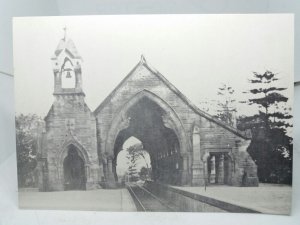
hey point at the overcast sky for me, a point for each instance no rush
(194, 52)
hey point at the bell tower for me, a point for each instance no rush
(70, 128)
(66, 63)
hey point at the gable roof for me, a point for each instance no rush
(144, 63)
(68, 46)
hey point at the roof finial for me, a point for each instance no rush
(143, 60)
(65, 33)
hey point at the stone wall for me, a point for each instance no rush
(70, 121)
(214, 135)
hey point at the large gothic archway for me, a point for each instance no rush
(156, 124)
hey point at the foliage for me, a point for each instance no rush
(136, 152)
(132, 172)
(26, 145)
(271, 147)
(269, 98)
(226, 106)
(145, 173)
(222, 108)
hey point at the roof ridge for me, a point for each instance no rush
(116, 88)
(143, 62)
(192, 105)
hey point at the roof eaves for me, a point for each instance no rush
(177, 92)
(107, 99)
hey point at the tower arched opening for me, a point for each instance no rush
(68, 78)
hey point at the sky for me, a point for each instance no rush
(196, 53)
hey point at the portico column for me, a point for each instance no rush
(212, 178)
(110, 169)
(197, 165)
(221, 170)
(184, 171)
(110, 179)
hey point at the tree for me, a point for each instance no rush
(271, 147)
(223, 108)
(135, 152)
(226, 109)
(132, 172)
(144, 173)
(269, 98)
(27, 129)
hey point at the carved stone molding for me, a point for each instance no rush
(166, 118)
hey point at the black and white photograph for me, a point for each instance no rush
(155, 113)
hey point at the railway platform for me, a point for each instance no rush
(117, 200)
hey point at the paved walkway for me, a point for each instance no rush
(273, 199)
(92, 200)
(267, 198)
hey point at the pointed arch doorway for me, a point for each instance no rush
(74, 170)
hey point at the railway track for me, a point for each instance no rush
(146, 201)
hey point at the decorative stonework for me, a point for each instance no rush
(193, 138)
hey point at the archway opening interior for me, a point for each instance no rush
(146, 124)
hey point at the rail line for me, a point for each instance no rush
(146, 201)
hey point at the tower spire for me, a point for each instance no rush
(143, 60)
(65, 33)
(67, 67)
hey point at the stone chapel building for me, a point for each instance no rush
(79, 147)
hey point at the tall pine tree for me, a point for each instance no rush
(271, 147)
(269, 96)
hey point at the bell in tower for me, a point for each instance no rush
(68, 79)
(70, 124)
(67, 68)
